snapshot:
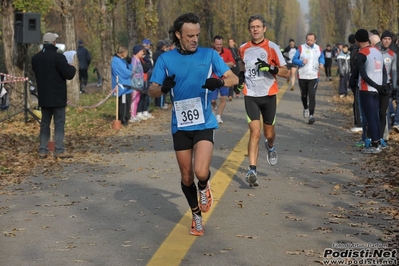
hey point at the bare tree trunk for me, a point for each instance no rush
(131, 22)
(14, 54)
(68, 24)
(107, 41)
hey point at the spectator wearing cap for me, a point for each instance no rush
(84, 59)
(51, 71)
(371, 77)
(160, 49)
(147, 44)
(138, 75)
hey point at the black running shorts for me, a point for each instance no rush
(291, 65)
(185, 140)
(266, 105)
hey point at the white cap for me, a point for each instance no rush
(49, 37)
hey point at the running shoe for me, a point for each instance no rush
(383, 144)
(372, 150)
(251, 178)
(305, 113)
(396, 128)
(196, 226)
(271, 154)
(292, 88)
(359, 143)
(206, 199)
(356, 129)
(133, 119)
(311, 120)
(219, 119)
(367, 143)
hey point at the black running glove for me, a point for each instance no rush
(168, 83)
(263, 66)
(241, 79)
(213, 83)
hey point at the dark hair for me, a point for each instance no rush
(217, 37)
(310, 34)
(256, 17)
(178, 24)
(291, 40)
(351, 38)
(375, 32)
(345, 45)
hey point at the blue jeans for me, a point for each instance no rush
(59, 129)
(370, 106)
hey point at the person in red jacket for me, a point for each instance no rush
(228, 58)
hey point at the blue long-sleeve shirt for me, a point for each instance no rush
(122, 69)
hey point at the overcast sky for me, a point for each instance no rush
(304, 6)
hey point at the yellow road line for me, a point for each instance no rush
(179, 241)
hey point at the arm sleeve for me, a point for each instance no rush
(296, 60)
(321, 58)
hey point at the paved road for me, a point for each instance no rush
(124, 206)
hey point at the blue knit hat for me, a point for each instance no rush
(137, 48)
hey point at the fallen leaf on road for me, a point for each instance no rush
(293, 252)
(249, 237)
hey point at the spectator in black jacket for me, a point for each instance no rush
(353, 84)
(161, 48)
(52, 70)
(84, 63)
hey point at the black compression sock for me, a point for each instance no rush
(191, 194)
(196, 211)
(202, 184)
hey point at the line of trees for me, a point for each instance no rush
(334, 20)
(105, 24)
